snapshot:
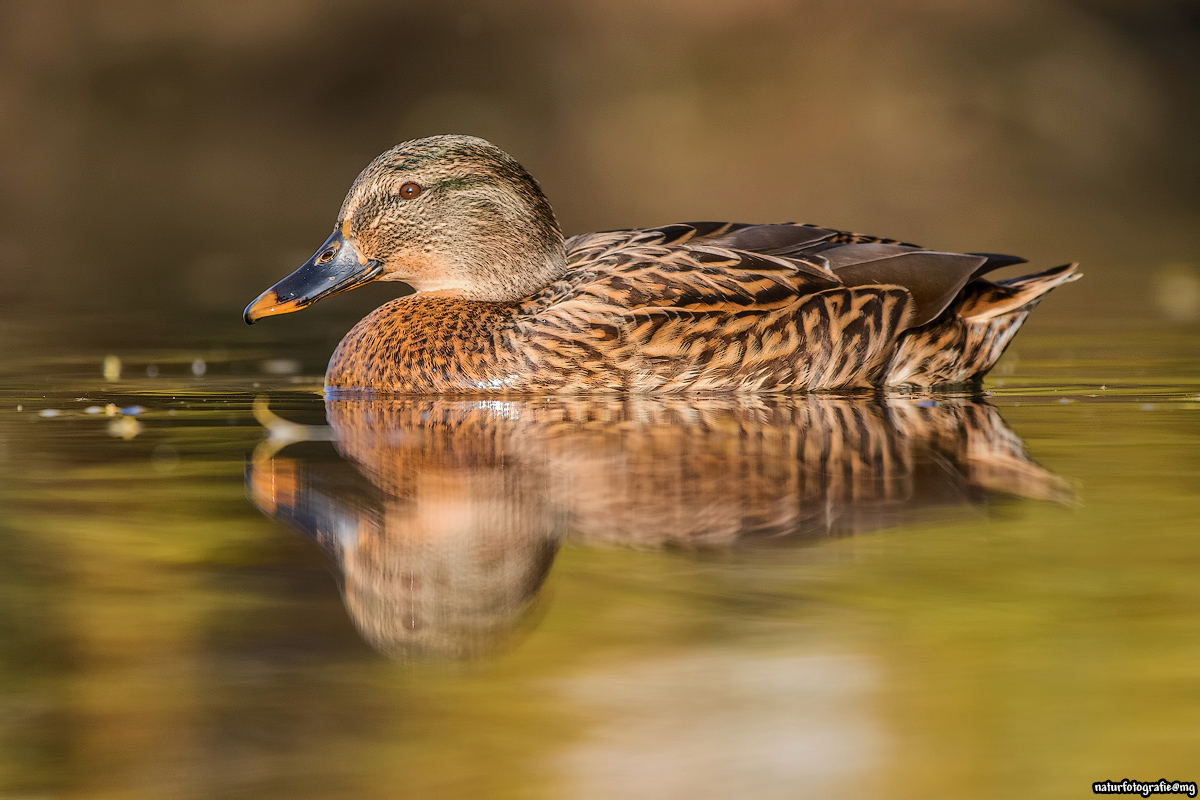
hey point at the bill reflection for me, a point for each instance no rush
(445, 514)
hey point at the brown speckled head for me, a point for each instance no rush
(454, 214)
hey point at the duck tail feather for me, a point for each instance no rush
(1003, 297)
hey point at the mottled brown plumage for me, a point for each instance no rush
(505, 305)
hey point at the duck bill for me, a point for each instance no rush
(336, 267)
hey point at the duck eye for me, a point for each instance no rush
(409, 190)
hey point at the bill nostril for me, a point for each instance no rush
(326, 257)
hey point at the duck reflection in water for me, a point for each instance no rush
(447, 524)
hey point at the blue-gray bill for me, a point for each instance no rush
(335, 267)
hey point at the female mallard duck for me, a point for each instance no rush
(502, 303)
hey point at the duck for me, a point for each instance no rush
(503, 303)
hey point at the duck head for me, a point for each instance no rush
(449, 214)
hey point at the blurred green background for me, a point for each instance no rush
(179, 157)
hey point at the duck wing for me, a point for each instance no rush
(683, 269)
(933, 278)
(759, 263)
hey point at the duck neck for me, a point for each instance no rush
(506, 271)
(505, 243)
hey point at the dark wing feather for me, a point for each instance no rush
(998, 260)
(774, 240)
(933, 279)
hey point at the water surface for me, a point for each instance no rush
(870, 595)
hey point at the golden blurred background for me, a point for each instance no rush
(179, 157)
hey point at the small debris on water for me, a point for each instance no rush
(48, 412)
(152, 371)
(1103, 388)
(928, 404)
(1063, 400)
(1147, 406)
(112, 368)
(110, 410)
(199, 367)
(124, 428)
(93, 409)
(20, 407)
(132, 411)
